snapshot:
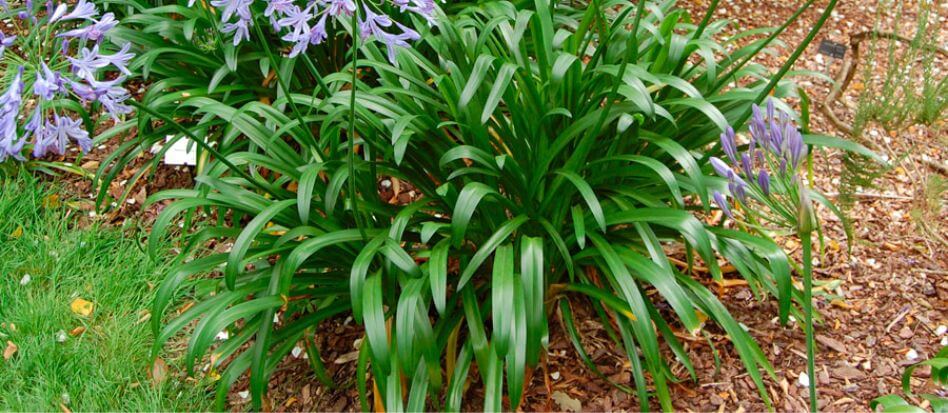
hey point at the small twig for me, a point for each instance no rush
(937, 272)
(935, 165)
(902, 313)
(871, 195)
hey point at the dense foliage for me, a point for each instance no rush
(559, 156)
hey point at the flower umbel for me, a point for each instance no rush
(69, 68)
(764, 178)
(305, 23)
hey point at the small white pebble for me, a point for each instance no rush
(803, 380)
(276, 318)
(244, 394)
(941, 330)
(386, 184)
(944, 341)
(912, 354)
(296, 352)
(555, 375)
(223, 335)
(61, 336)
(26, 279)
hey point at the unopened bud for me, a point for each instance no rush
(805, 210)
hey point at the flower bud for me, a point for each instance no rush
(804, 210)
(722, 203)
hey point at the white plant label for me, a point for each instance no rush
(179, 153)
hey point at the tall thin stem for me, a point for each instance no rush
(352, 115)
(808, 314)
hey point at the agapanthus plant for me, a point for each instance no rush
(304, 24)
(62, 76)
(767, 183)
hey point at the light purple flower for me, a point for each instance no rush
(796, 148)
(297, 20)
(318, 34)
(300, 42)
(763, 180)
(231, 7)
(112, 96)
(96, 31)
(738, 188)
(424, 8)
(722, 203)
(5, 42)
(120, 59)
(240, 29)
(375, 24)
(729, 144)
(277, 6)
(720, 167)
(55, 13)
(83, 10)
(88, 63)
(57, 133)
(47, 83)
(10, 144)
(747, 165)
(339, 8)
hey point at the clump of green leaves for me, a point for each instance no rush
(558, 152)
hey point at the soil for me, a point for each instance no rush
(883, 301)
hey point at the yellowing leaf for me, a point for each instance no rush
(10, 350)
(17, 233)
(81, 307)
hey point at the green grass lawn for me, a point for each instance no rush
(106, 367)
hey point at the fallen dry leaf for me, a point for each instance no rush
(17, 233)
(158, 372)
(566, 402)
(10, 350)
(81, 307)
(77, 331)
(51, 202)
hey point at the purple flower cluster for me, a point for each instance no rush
(304, 24)
(71, 70)
(776, 148)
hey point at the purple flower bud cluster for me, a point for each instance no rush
(71, 68)
(776, 148)
(303, 24)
